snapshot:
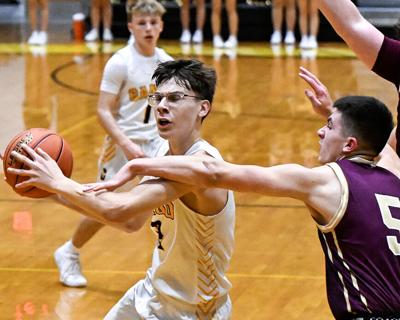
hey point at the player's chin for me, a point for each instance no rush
(164, 134)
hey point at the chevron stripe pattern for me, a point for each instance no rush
(108, 153)
(206, 281)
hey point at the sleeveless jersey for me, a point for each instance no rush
(387, 65)
(191, 256)
(128, 75)
(362, 242)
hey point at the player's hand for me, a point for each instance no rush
(319, 95)
(43, 172)
(119, 179)
(132, 150)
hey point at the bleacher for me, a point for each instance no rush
(381, 13)
(255, 19)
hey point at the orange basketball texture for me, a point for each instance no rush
(53, 144)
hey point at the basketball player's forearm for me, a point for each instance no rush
(205, 172)
(185, 169)
(340, 13)
(361, 36)
(106, 208)
(109, 124)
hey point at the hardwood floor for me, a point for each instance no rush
(260, 116)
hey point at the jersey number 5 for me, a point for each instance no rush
(384, 203)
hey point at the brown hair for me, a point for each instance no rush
(151, 7)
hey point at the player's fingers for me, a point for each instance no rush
(103, 186)
(43, 153)
(29, 151)
(24, 184)
(23, 159)
(313, 99)
(311, 82)
(21, 172)
(310, 75)
(88, 187)
(95, 186)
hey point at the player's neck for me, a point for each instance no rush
(181, 146)
(144, 50)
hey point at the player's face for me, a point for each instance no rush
(178, 112)
(332, 140)
(146, 29)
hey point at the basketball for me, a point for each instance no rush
(50, 142)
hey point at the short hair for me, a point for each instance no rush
(151, 7)
(367, 119)
(189, 73)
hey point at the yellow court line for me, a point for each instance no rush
(141, 273)
(77, 126)
(255, 49)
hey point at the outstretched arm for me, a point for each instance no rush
(115, 209)
(316, 187)
(360, 35)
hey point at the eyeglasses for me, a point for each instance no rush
(172, 97)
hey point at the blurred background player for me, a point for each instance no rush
(309, 23)
(125, 115)
(278, 7)
(39, 35)
(186, 36)
(100, 10)
(233, 21)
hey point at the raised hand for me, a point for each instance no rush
(319, 95)
(120, 178)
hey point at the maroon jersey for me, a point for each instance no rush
(362, 243)
(387, 65)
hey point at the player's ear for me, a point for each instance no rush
(205, 107)
(161, 25)
(351, 145)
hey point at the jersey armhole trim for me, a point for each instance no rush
(331, 225)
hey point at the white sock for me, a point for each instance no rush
(69, 246)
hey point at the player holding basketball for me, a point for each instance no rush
(195, 226)
(353, 198)
(378, 52)
(124, 113)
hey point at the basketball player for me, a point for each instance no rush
(353, 198)
(379, 53)
(125, 115)
(195, 226)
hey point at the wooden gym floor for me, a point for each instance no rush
(260, 116)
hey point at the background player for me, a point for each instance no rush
(124, 113)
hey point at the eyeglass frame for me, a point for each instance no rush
(165, 95)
